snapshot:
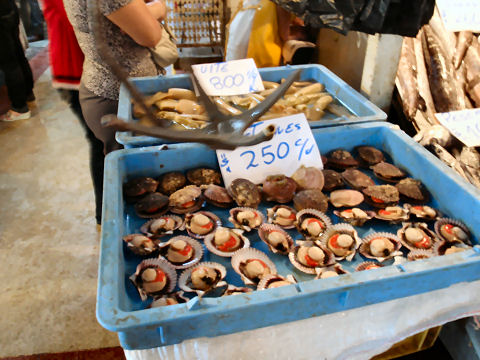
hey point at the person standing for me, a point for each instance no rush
(66, 62)
(131, 27)
(14, 64)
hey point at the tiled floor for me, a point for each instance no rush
(48, 235)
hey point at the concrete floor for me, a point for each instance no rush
(49, 242)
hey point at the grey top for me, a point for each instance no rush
(134, 58)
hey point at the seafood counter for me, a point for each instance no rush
(377, 223)
(195, 231)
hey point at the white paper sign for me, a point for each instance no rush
(292, 145)
(236, 77)
(459, 15)
(464, 124)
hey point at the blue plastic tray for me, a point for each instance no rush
(341, 91)
(120, 309)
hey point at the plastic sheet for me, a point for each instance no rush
(355, 334)
(404, 17)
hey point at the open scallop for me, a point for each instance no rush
(246, 218)
(154, 277)
(447, 247)
(380, 246)
(164, 225)
(282, 215)
(342, 240)
(202, 278)
(274, 281)
(252, 264)
(355, 216)
(170, 299)
(368, 265)
(182, 251)
(201, 223)
(452, 230)
(309, 257)
(312, 224)
(277, 239)
(417, 236)
(225, 241)
(140, 245)
(331, 271)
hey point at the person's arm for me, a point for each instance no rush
(137, 21)
(158, 9)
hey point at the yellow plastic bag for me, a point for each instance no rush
(264, 45)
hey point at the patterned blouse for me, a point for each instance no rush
(134, 58)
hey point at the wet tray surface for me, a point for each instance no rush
(120, 309)
(342, 93)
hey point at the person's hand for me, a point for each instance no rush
(157, 8)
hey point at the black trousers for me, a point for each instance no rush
(14, 64)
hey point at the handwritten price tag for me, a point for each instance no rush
(292, 145)
(236, 77)
(460, 15)
(463, 124)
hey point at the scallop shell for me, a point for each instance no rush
(271, 215)
(217, 195)
(441, 246)
(417, 212)
(184, 281)
(215, 219)
(380, 214)
(342, 228)
(355, 221)
(292, 256)
(424, 228)
(197, 251)
(186, 194)
(419, 254)
(243, 255)
(140, 251)
(137, 188)
(388, 172)
(333, 180)
(454, 222)
(265, 229)
(366, 266)
(160, 301)
(381, 196)
(204, 176)
(245, 193)
(346, 197)
(336, 268)
(208, 241)
(369, 155)
(156, 198)
(357, 179)
(171, 182)
(236, 290)
(341, 159)
(310, 199)
(308, 213)
(146, 227)
(269, 279)
(412, 190)
(365, 248)
(247, 228)
(165, 266)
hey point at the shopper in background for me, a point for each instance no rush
(130, 27)
(66, 61)
(14, 64)
(32, 19)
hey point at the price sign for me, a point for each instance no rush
(292, 145)
(459, 15)
(236, 77)
(463, 124)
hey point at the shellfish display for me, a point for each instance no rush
(388, 172)
(291, 218)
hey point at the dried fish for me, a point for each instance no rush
(464, 40)
(407, 78)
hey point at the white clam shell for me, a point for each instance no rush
(162, 264)
(209, 243)
(346, 197)
(242, 255)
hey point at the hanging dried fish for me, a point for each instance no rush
(472, 66)
(440, 74)
(464, 40)
(407, 78)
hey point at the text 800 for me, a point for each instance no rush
(227, 82)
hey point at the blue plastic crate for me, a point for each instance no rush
(341, 91)
(120, 309)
